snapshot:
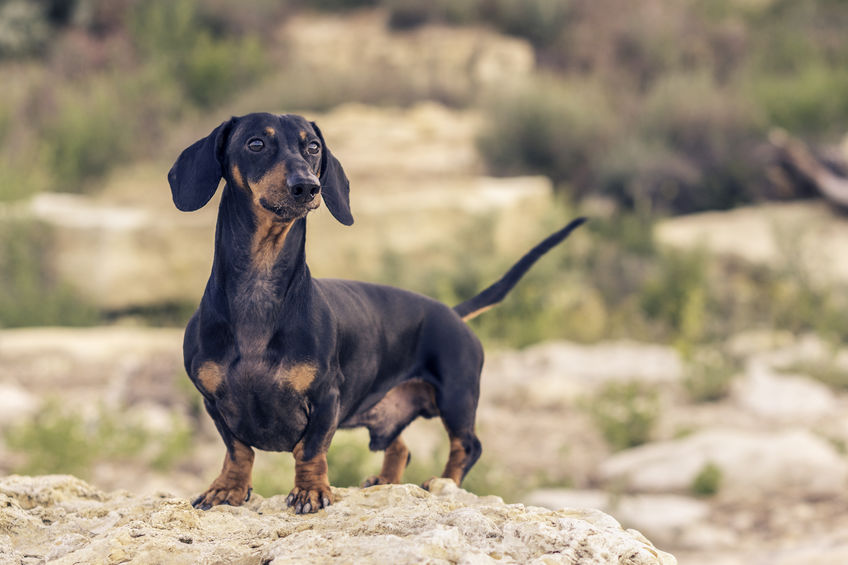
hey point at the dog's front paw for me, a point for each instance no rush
(305, 501)
(233, 495)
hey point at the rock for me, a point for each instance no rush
(753, 465)
(64, 520)
(116, 365)
(120, 256)
(783, 398)
(558, 372)
(801, 236)
(670, 518)
(441, 60)
(15, 403)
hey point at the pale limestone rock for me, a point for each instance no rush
(451, 60)
(118, 365)
(805, 236)
(556, 373)
(665, 517)
(783, 398)
(16, 403)
(753, 464)
(66, 521)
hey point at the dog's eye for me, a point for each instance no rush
(255, 144)
(313, 148)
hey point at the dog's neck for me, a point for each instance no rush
(260, 262)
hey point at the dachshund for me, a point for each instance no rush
(281, 359)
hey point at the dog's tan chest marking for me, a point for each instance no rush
(298, 376)
(210, 376)
(268, 241)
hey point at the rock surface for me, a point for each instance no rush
(752, 464)
(62, 519)
(803, 236)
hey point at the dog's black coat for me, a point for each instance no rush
(283, 360)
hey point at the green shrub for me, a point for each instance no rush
(30, 295)
(22, 178)
(709, 375)
(711, 131)
(59, 440)
(208, 64)
(826, 371)
(807, 102)
(24, 29)
(625, 413)
(708, 480)
(88, 135)
(548, 127)
(675, 294)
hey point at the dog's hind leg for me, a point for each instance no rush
(395, 459)
(388, 418)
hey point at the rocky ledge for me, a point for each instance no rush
(61, 519)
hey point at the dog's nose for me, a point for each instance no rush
(305, 191)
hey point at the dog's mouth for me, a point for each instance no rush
(287, 210)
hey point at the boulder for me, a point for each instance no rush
(63, 520)
(114, 365)
(450, 61)
(674, 519)
(801, 236)
(16, 403)
(783, 398)
(556, 373)
(753, 465)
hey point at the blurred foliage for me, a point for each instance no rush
(60, 440)
(659, 106)
(625, 413)
(609, 280)
(30, 295)
(826, 371)
(208, 61)
(708, 480)
(708, 374)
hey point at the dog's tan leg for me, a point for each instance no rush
(460, 459)
(233, 485)
(311, 490)
(395, 460)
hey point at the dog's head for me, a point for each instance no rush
(280, 162)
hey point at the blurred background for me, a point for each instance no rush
(679, 362)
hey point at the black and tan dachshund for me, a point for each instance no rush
(283, 360)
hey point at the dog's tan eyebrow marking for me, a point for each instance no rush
(302, 135)
(298, 376)
(270, 131)
(210, 375)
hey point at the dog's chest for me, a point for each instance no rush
(264, 404)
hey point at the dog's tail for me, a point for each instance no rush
(495, 293)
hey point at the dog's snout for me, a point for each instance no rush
(304, 190)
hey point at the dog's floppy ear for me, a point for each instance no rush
(335, 188)
(195, 176)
